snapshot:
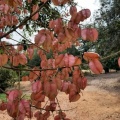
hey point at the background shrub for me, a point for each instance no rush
(7, 78)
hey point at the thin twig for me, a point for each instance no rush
(109, 56)
(55, 110)
(3, 91)
(60, 111)
(31, 42)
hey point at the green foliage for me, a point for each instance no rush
(35, 60)
(73, 50)
(7, 78)
(3, 97)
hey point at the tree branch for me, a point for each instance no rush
(23, 22)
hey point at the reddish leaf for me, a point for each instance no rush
(37, 86)
(34, 74)
(4, 59)
(14, 95)
(73, 97)
(57, 2)
(89, 34)
(3, 106)
(53, 91)
(69, 60)
(73, 10)
(90, 55)
(39, 115)
(12, 108)
(44, 1)
(24, 106)
(86, 13)
(119, 61)
(81, 83)
(35, 8)
(30, 53)
(46, 115)
(22, 59)
(77, 61)
(25, 78)
(95, 66)
(59, 59)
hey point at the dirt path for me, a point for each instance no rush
(100, 100)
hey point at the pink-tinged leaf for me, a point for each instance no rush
(58, 59)
(95, 66)
(98, 65)
(21, 117)
(37, 86)
(71, 60)
(68, 33)
(39, 115)
(81, 83)
(3, 106)
(3, 59)
(47, 88)
(22, 59)
(14, 95)
(42, 39)
(25, 78)
(53, 91)
(35, 8)
(78, 18)
(66, 60)
(84, 34)
(57, 117)
(12, 108)
(77, 32)
(93, 34)
(6, 8)
(14, 60)
(119, 61)
(30, 53)
(73, 97)
(55, 2)
(46, 115)
(34, 75)
(24, 106)
(58, 82)
(51, 24)
(59, 2)
(86, 13)
(44, 1)
(40, 97)
(44, 64)
(65, 87)
(73, 10)
(89, 34)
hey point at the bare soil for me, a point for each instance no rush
(100, 99)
